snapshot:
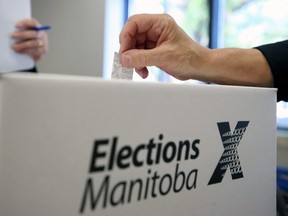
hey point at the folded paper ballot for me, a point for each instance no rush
(120, 72)
(11, 11)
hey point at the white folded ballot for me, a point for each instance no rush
(120, 72)
(11, 11)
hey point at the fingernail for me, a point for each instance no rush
(127, 60)
(140, 72)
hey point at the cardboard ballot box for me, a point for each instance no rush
(72, 145)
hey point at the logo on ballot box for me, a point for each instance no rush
(107, 186)
(230, 157)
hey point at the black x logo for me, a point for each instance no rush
(230, 157)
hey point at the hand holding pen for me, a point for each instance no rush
(31, 38)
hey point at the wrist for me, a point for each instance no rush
(202, 60)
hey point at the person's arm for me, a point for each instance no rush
(235, 66)
(156, 40)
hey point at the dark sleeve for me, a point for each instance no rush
(34, 69)
(277, 57)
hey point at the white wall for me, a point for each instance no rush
(76, 38)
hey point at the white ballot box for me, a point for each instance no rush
(72, 145)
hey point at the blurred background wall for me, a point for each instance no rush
(76, 38)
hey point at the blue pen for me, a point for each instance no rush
(42, 28)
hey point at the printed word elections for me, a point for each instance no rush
(106, 153)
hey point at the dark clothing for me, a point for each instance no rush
(277, 57)
(30, 70)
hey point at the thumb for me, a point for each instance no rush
(27, 23)
(140, 58)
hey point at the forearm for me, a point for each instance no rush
(234, 66)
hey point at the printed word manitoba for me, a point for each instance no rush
(110, 154)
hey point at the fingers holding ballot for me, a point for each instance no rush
(157, 40)
(31, 38)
